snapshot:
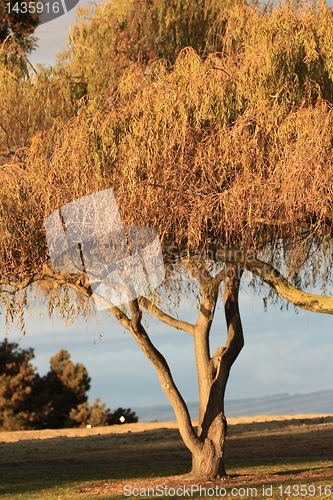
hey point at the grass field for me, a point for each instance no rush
(278, 459)
(88, 483)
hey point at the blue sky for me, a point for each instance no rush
(284, 351)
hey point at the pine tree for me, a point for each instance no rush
(58, 399)
(122, 416)
(17, 375)
(67, 385)
(93, 415)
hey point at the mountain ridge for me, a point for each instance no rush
(318, 402)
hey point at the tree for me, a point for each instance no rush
(16, 30)
(93, 415)
(16, 380)
(122, 416)
(66, 385)
(15, 23)
(97, 415)
(229, 158)
(56, 400)
(134, 31)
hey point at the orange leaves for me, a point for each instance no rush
(236, 147)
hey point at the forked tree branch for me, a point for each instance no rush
(224, 357)
(268, 273)
(235, 339)
(209, 288)
(134, 325)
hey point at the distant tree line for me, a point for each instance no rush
(56, 400)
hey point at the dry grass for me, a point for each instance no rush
(260, 450)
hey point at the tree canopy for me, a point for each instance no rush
(225, 149)
(16, 381)
(133, 31)
(235, 148)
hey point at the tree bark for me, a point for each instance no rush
(167, 383)
(208, 462)
(270, 275)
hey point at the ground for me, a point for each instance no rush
(249, 439)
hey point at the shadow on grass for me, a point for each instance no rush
(37, 482)
(300, 471)
(71, 482)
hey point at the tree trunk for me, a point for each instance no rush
(207, 445)
(208, 462)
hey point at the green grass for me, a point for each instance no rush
(65, 483)
(55, 483)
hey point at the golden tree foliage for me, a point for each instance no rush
(230, 153)
(234, 148)
(120, 32)
(30, 105)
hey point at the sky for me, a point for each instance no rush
(284, 352)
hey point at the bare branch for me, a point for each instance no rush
(166, 318)
(270, 275)
(235, 341)
(163, 371)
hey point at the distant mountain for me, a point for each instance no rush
(320, 402)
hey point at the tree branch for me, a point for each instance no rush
(235, 340)
(166, 318)
(209, 288)
(163, 371)
(270, 275)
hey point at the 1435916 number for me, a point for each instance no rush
(305, 490)
(33, 7)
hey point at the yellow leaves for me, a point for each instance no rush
(188, 63)
(133, 80)
(36, 141)
(208, 147)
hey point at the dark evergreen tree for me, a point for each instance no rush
(58, 399)
(16, 24)
(67, 385)
(122, 416)
(17, 375)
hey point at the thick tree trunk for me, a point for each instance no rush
(208, 462)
